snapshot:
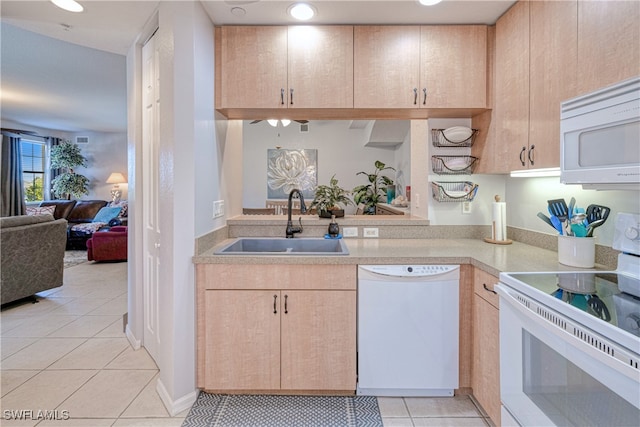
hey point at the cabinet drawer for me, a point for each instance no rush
(482, 279)
(276, 276)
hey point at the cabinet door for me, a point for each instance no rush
(386, 66)
(253, 67)
(320, 66)
(453, 67)
(242, 340)
(485, 377)
(319, 340)
(512, 87)
(552, 77)
(608, 43)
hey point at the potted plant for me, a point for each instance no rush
(328, 199)
(67, 156)
(376, 190)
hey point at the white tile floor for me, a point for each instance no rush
(68, 353)
(431, 411)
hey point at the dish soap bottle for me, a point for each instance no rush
(334, 229)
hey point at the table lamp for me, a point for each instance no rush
(116, 178)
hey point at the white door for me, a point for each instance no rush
(151, 229)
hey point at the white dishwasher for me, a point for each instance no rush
(408, 330)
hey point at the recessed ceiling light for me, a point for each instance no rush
(238, 11)
(429, 2)
(301, 11)
(69, 5)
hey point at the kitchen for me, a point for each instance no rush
(216, 179)
(525, 197)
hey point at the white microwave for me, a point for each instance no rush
(600, 138)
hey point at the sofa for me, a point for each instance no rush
(81, 218)
(110, 245)
(32, 255)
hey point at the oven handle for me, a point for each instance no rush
(612, 362)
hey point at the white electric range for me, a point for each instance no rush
(570, 342)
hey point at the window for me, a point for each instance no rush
(33, 170)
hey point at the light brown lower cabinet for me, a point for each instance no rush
(485, 370)
(280, 338)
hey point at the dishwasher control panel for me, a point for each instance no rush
(409, 270)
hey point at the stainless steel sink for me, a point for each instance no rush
(282, 246)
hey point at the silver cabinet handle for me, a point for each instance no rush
(281, 96)
(291, 91)
(415, 96)
(530, 155)
(424, 101)
(275, 304)
(286, 310)
(522, 155)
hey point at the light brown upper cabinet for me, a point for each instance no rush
(285, 67)
(320, 67)
(420, 67)
(608, 43)
(511, 113)
(453, 66)
(386, 66)
(253, 67)
(552, 76)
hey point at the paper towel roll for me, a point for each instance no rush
(499, 226)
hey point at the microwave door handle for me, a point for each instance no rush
(615, 364)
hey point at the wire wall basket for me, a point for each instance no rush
(458, 191)
(453, 165)
(439, 139)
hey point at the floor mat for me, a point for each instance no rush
(221, 410)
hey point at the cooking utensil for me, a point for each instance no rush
(545, 219)
(558, 207)
(579, 230)
(596, 212)
(557, 224)
(572, 204)
(593, 225)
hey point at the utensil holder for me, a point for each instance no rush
(577, 251)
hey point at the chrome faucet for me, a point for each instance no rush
(291, 230)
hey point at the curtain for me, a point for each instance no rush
(12, 203)
(51, 142)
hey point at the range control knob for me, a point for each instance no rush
(409, 269)
(632, 233)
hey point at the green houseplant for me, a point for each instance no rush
(67, 156)
(372, 193)
(328, 199)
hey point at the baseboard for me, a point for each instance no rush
(135, 343)
(174, 407)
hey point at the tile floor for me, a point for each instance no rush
(68, 353)
(431, 411)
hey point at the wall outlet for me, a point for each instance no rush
(416, 200)
(350, 231)
(466, 207)
(370, 232)
(218, 208)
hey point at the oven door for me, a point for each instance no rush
(551, 377)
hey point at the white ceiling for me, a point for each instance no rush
(65, 71)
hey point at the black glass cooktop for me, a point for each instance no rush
(596, 293)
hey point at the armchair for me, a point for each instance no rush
(108, 245)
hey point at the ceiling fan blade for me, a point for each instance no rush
(255, 121)
(302, 121)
